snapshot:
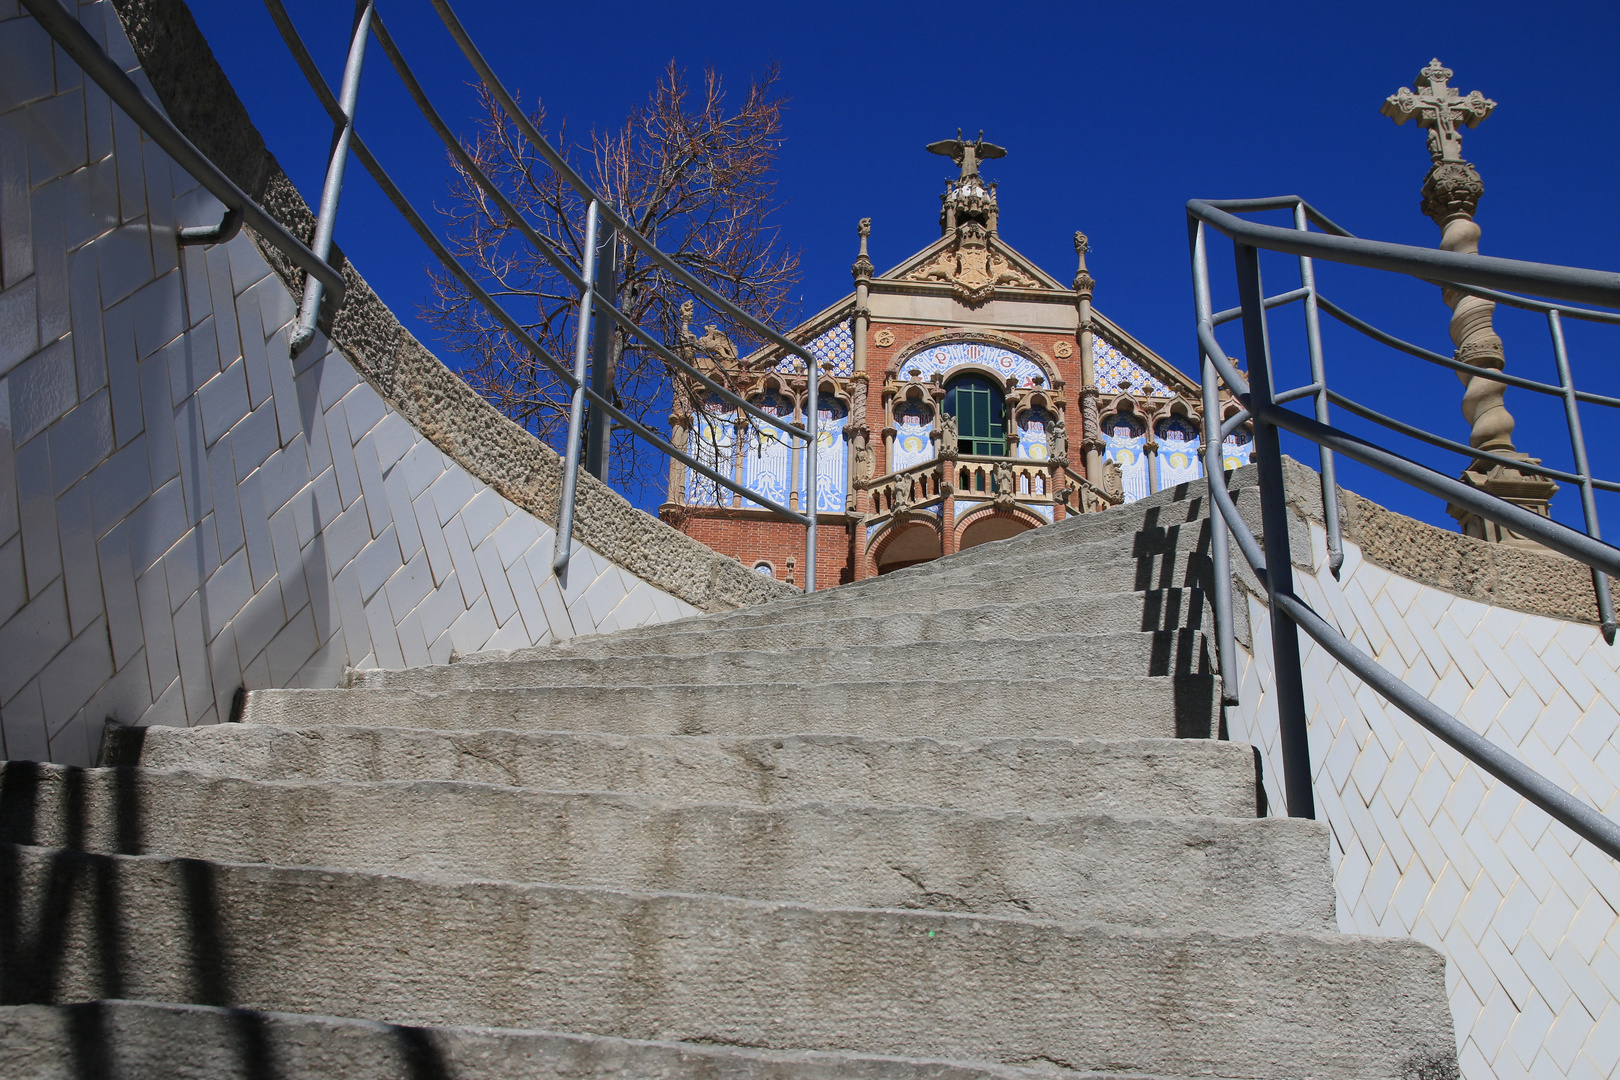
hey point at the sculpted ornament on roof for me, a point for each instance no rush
(972, 269)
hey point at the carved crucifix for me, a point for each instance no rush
(1438, 106)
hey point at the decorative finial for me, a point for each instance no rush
(862, 270)
(1440, 109)
(1083, 281)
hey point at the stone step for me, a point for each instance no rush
(1157, 609)
(1241, 875)
(1024, 587)
(718, 970)
(1068, 707)
(139, 1040)
(1167, 652)
(1039, 777)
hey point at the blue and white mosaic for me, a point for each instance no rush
(713, 443)
(834, 350)
(1237, 450)
(1119, 374)
(767, 467)
(1124, 439)
(1034, 428)
(1179, 459)
(942, 358)
(913, 427)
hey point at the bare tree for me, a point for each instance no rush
(685, 172)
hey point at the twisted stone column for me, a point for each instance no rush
(1091, 440)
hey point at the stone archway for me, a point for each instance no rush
(984, 528)
(907, 545)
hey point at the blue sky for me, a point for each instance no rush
(1113, 115)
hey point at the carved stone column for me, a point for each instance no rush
(1451, 193)
(1091, 440)
(860, 431)
(680, 430)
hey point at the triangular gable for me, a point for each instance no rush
(932, 254)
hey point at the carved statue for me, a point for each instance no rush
(900, 494)
(1113, 482)
(685, 341)
(1006, 484)
(967, 154)
(863, 461)
(1059, 450)
(717, 347)
(948, 440)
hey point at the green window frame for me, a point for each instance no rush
(980, 412)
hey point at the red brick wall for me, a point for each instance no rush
(751, 539)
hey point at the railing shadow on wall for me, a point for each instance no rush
(1554, 291)
(604, 228)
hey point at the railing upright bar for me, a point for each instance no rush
(599, 434)
(1215, 473)
(1274, 521)
(348, 98)
(1313, 339)
(812, 444)
(1577, 439)
(562, 544)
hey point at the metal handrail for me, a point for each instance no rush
(77, 42)
(1271, 559)
(591, 296)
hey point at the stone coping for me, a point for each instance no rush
(435, 400)
(1534, 582)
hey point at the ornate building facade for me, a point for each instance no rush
(966, 395)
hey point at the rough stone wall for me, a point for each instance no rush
(183, 510)
(1427, 845)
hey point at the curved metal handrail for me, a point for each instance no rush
(77, 42)
(1600, 287)
(1259, 399)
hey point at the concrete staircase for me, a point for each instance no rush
(967, 820)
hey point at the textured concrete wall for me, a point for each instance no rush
(1427, 845)
(183, 510)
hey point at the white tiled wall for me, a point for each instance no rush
(183, 510)
(1426, 845)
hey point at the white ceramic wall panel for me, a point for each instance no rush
(1426, 845)
(183, 510)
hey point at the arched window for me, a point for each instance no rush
(977, 404)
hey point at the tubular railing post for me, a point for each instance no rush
(563, 544)
(1313, 338)
(1274, 521)
(599, 433)
(1577, 440)
(1215, 473)
(309, 311)
(812, 445)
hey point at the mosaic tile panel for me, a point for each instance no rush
(1119, 374)
(200, 513)
(1425, 845)
(944, 358)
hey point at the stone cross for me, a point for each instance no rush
(1451, 193)
(1438, 107)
